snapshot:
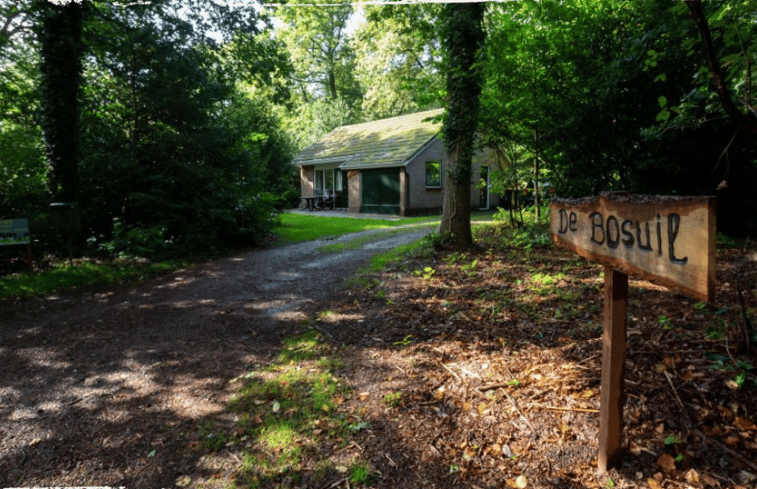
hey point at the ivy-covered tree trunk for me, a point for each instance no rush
(463, 37)
(59, 31)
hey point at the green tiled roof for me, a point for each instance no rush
(378, 144)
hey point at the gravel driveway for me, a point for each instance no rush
(99, 389)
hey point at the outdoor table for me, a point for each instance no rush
(310, 202)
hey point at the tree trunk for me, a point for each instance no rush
(537, 209)
(61, 47)
(463, 38)
(332, 85)
(456, 211)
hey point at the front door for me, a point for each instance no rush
(380, 191)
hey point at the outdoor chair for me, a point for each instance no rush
(328, 199)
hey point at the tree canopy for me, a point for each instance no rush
(177, 124)
(621, 97)
(157, 135)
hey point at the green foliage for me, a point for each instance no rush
(185, 157)
(427, 273)
(309, 121)
(137, 242)
(23, 173)
(392, 399)
(592, 81)
(398, 58)
(173, 145)
(528, 238)
(23, 169)
(672, 439)
(319, 49)
(64, 276)
(360, 472)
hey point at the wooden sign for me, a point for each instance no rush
(14, 232)
(666, 240)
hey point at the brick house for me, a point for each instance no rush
(389, 166)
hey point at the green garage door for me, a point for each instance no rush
(381, 191)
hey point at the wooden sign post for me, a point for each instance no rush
(16, 232)
(666, 240)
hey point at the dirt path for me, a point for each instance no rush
(96, 389)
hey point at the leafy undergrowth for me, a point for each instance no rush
(482, 369)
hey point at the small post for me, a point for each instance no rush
(29, 258)
(612, 395)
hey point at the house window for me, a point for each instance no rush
(318, 187)
(330, 180)
(433, 174)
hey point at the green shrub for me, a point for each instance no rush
(137, 242)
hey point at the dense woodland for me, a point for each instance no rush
(172, 125)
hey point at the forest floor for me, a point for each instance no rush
(447, 369)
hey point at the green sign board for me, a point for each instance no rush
(14, 232)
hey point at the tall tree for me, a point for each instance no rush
(59, 31)
(174, 151)
(320, 50)
(463, 36)
(398, 57)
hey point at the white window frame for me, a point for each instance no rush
(319, 183)
(425, 170)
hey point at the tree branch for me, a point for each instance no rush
(21, 28)
(695, 7)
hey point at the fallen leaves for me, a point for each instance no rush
(653, 484)
(666, 462)
(692, 476)
(520, 482)
(520, 383)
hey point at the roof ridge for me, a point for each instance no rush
(394, 118)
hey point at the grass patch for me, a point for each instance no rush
(294, 228)
(65, 276)
(287, 410)
(392, 400)
(360, 473)
(357, 243)
(364, 276)
(380, 261)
